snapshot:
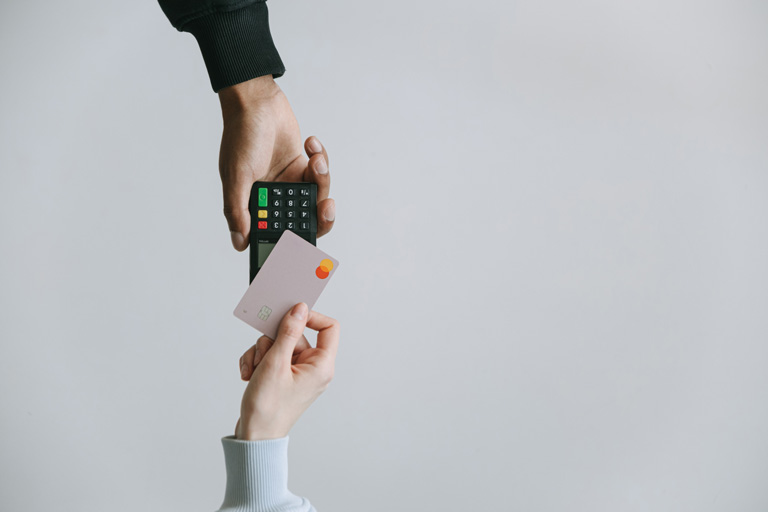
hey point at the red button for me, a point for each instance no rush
(262, 224)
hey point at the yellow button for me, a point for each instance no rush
(262, 214)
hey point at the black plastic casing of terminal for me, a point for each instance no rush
(279, 215)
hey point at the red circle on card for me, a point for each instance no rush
(321, 272)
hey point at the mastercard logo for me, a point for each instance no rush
(324, 269)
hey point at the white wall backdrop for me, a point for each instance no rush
(553, 230)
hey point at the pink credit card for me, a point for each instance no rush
(295, 271)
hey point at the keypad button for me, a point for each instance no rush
(284, 206)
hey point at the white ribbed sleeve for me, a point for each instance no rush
(257, 477)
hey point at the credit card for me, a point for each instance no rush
(295, 271)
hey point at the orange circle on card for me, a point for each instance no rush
(328, 264)
(321, 272)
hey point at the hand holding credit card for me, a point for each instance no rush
(295, 271)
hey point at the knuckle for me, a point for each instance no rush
(326, 376)
(232, 207)
(269, 364)
(292, 330)
(232, 213)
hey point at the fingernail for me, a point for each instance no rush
(242, 371)
(315, 146)
(330, 214)
(320, 166)
(237, 239)
(299, 310)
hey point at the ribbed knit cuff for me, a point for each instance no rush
(236, 45)
(257, 476)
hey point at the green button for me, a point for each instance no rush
(262, 197)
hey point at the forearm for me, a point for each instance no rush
(257, 477)
(233, 35)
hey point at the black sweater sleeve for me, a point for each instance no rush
(233, 35)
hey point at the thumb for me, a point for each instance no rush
(236, 211)
(289, 333)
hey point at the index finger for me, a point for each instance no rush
(328, 330)
(317, 160)
(310, 146)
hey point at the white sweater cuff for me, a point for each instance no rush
(257, 476)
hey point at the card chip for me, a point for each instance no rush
(264, 313)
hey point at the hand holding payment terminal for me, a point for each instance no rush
(276, 207)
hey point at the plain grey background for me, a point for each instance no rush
(553, 236)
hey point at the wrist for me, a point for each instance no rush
(240, 97)
(247, 431)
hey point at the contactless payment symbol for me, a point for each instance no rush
(324, 269)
